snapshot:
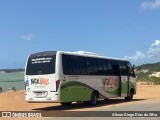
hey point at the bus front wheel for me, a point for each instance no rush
(130, 95)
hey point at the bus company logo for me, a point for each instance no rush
(109, 82)
(39, 81)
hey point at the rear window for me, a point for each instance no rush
(41, 63)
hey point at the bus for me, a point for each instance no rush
(66, 77)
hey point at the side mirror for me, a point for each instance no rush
(133, 66)
(134, 71)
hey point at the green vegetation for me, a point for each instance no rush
(150, 67)
(155, 80)
(143, 76)
(143, 72)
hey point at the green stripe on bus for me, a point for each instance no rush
(75, 91)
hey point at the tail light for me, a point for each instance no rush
(57, 84)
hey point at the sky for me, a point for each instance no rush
(116, 28)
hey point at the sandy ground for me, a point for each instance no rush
(14, 101)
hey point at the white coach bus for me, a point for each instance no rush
(66, 77)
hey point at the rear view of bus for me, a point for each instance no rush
(40, 79)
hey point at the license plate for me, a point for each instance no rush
(40, 94)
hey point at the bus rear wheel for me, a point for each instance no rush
(66, 103)
(93, 100)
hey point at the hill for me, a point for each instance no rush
(155, 67)
(148, 73)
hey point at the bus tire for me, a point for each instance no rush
(94, 99)
(66, 103)
(130, 95)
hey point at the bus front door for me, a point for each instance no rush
(124, 86)
(124, 80)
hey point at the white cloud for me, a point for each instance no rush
(156, 43)
(27, 37)
(152, 4)
(150, 56)
(137, 56)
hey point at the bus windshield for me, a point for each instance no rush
(41, 63)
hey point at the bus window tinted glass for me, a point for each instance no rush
(89, 65)
(82, 66)
(123, 68)
(116, 70)
(94, 67)
(67, 64)
(41, 63)
(100, 64)
(105, 66)
(76, 65)
(110, 68)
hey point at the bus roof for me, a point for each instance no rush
(81, 53)
(91, 54)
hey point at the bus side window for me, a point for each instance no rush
(110, 67)
(105, 66)
(75, 65)
(123, 68)
(94, 67)
(100, 63)
(67, 65)
(89, 65)
(116, 70)
(82, 66)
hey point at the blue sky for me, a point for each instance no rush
(116, 28)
